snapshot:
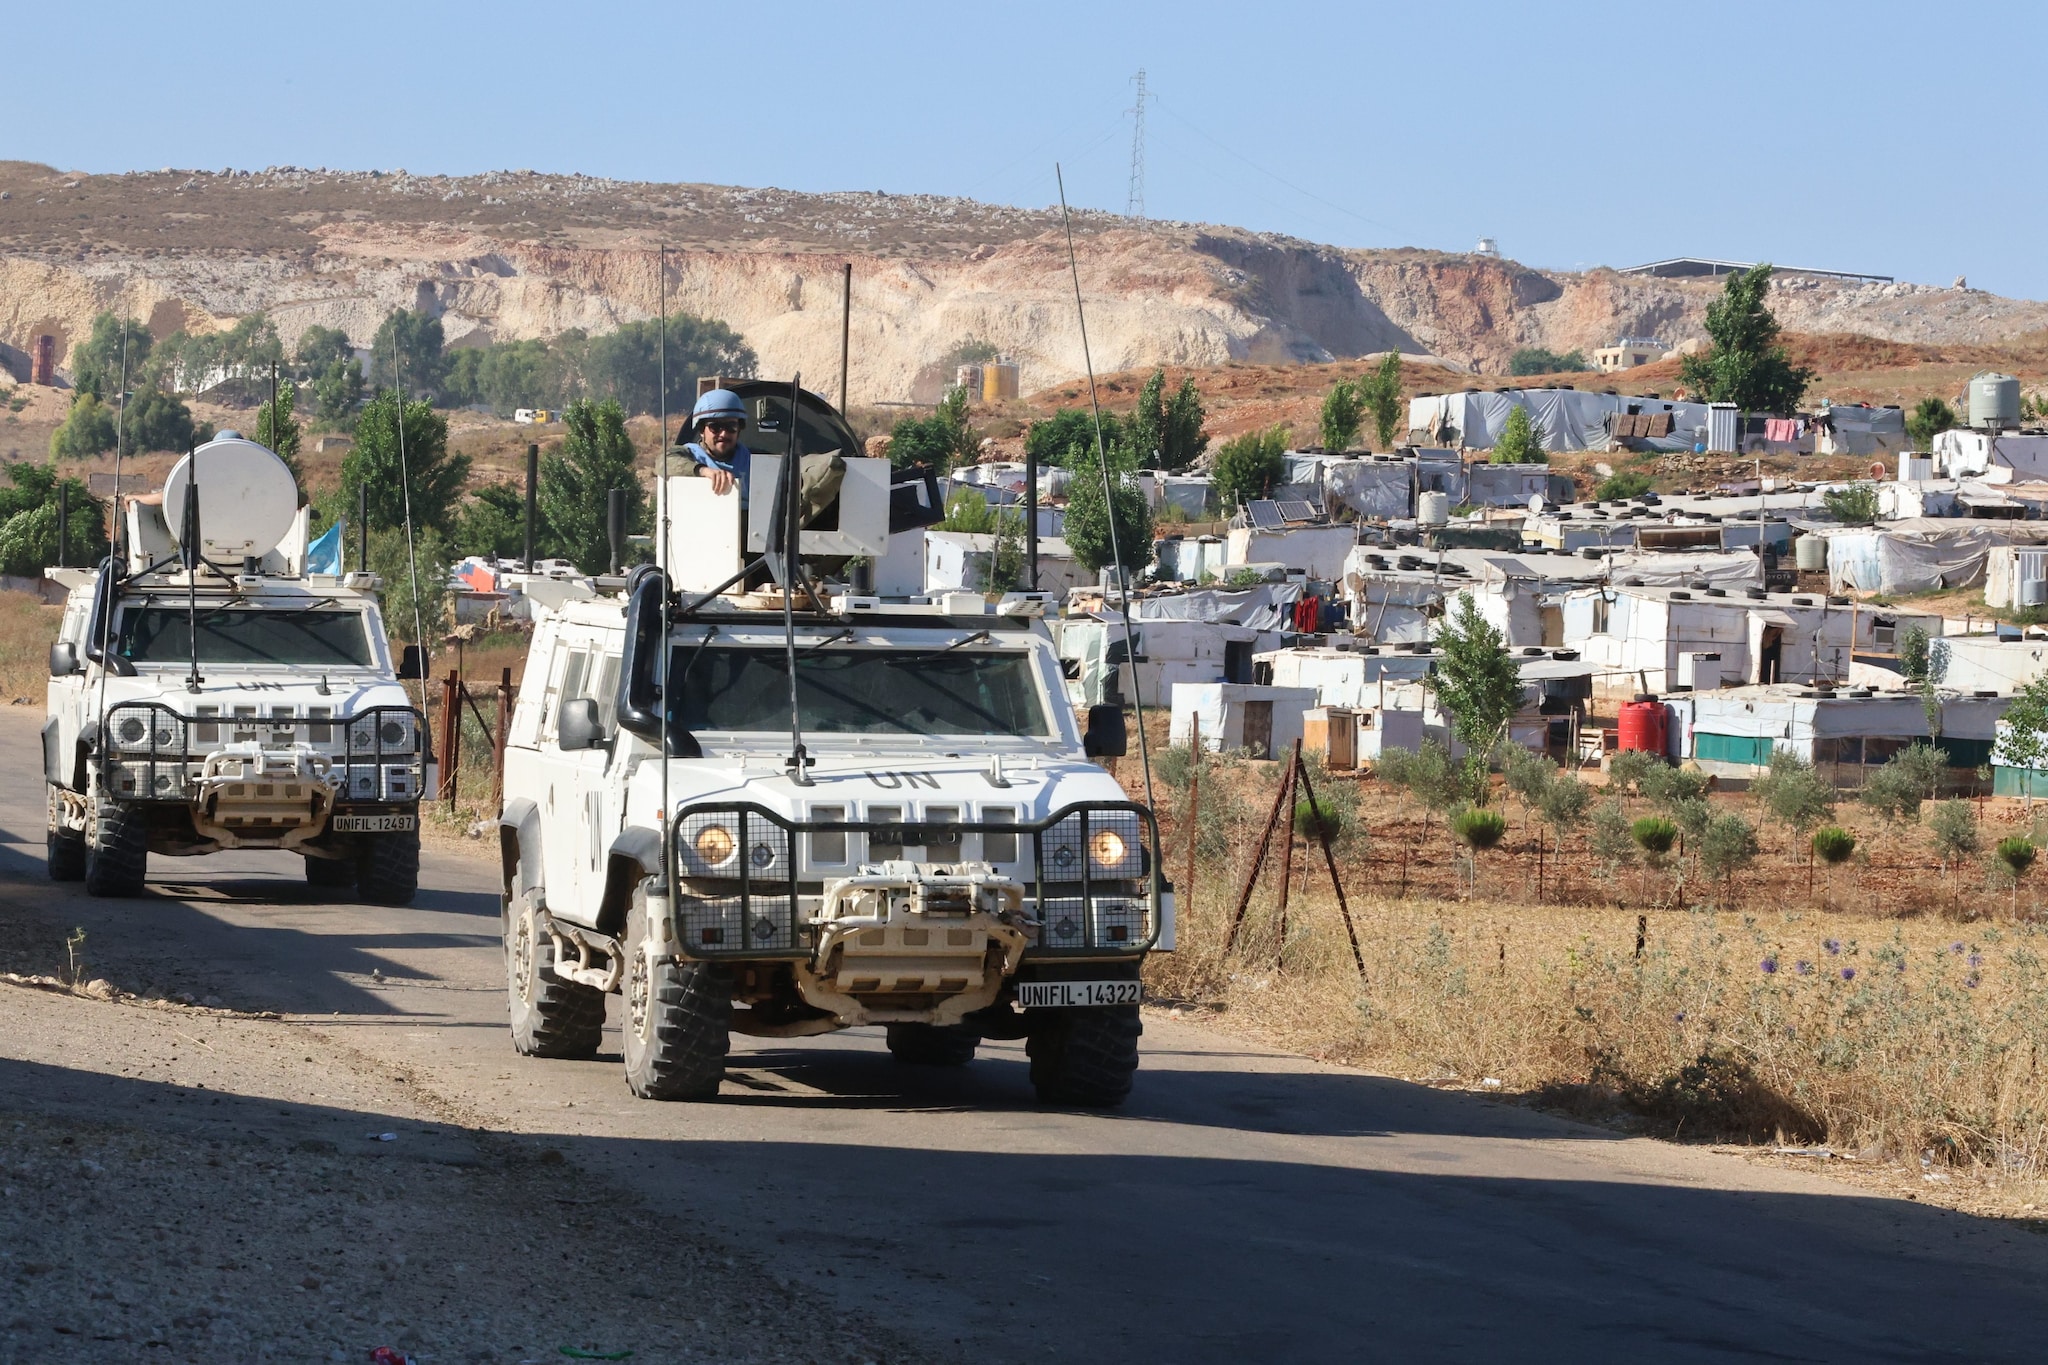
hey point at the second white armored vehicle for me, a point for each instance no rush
(215, 695)
(912, 836)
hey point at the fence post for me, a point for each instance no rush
(1287, 851)
(1187, 901)
(450, 735)
(501, 733)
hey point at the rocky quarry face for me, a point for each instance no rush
(518, 254)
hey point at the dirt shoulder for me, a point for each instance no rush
(186, 1183)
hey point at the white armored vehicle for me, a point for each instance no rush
(912, 835)
(207, 693)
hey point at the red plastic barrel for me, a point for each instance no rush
(1643, 724)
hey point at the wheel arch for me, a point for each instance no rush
(519, 847)
(635, 855)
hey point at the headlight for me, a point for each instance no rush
(1106, 848)
(141, 730)
(715, 845)
(131, 730)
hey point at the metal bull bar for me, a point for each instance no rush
(149, 752)
(1089, 879)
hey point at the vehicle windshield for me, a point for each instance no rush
(317, 637)
(860, 691)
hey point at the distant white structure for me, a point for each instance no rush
(1487, 247)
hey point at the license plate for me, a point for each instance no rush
(374, 824)
(1041, 995)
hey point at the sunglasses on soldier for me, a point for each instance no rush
(724, 424)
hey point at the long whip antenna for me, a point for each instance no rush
(412, 560)
(661, 566)
(792, 537)
(112, 570)
(1123, 573)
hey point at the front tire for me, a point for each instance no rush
(932, 1044)
(550, 1017)
(388, 868)
(65, 855)
(1084, 1058)
(117, 855)
(678, 1018)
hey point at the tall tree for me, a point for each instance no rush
(1182, 437)
(1343, 414)
(1250, 466)
(318, 347)
(1476, 678)
(1057, 441)
(575, 483)
(1383, 399)
(433, 476)
(412, 341)
(277, 428)
(1745, 366)
(1146, 429)
(626, 364)
(1090, 516)
(337, 390)
(492, 523)
(96, 361)
(1930, 417)
(1519, 441)
(28, 521)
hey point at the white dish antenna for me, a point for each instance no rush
(247, 498)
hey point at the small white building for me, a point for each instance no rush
(960, 561)
(1318, 551)
(1961, 453)
(1267, 721)
(1844, 733)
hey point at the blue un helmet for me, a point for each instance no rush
(717, 404)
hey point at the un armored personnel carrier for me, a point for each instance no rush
(781, 818)
(208, 693)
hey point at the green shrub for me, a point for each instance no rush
(1628, 483)
(1632, 770)
(1654, 835)
(1478, 828)
(1833, 844)
(2016, 854)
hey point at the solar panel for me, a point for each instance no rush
(1297, 510)
(1265, 515)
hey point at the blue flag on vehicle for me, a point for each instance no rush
(324, 554)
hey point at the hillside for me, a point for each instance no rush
(517, 254)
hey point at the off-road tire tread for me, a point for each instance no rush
(121, 861)
(932, 1044)
(388, 868)
(691, 1013)
(567, 1017)
(1085, 1059)
(334, 873)
(65, 856)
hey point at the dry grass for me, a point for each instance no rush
(27, 627)
(1893, 1037)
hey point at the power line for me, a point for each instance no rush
(1135, 206)
(1271, 175)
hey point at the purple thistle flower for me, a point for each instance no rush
(1769, 966)
(1848, 973)
(1834, 947)
(1976, 959)
(1956, 948)
(1971, 981)
(1803, 967)
(1900, 965)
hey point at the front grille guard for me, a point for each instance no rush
(172, 744)
(765, 914)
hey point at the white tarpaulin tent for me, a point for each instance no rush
(1567, 419)
(1378, 489)
(1856, 430)
(1960, 453)
(1909, 556)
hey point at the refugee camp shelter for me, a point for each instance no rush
(1843, 733)
(1918, 555)
(1317, 550)
(1263, 720)
(963, 561)
(1989, 663)
(1961, 453)
(1859, 429)
(1168, 653)
(1565, 419)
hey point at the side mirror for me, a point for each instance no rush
(411, 664)
(64, 659)
(1106, 736)
(577, 726)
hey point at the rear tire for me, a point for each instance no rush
(550, 1017)
(388, 868)
(65, 855)
(933, 1044)
(678, 1018)
(1084, 1058)
(338, 874)
(117, 856)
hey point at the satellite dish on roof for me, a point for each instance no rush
(247, 498)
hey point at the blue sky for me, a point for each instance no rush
(1875, 137)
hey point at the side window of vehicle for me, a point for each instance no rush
(564, 661)
(604, 685)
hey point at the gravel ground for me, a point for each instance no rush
(181, 1183)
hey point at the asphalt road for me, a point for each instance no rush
(1245, 1204)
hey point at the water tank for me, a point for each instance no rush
(1810, 553)
(1644, 724)
(968, 377)
(998, 380)
(1916, 468)
(1433, 509)
(1994, 401)
(2034, 592)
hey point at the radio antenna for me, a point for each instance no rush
(1116, 554)
(412, 561)
(110, 571)
(791, 532)
(661, 567)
